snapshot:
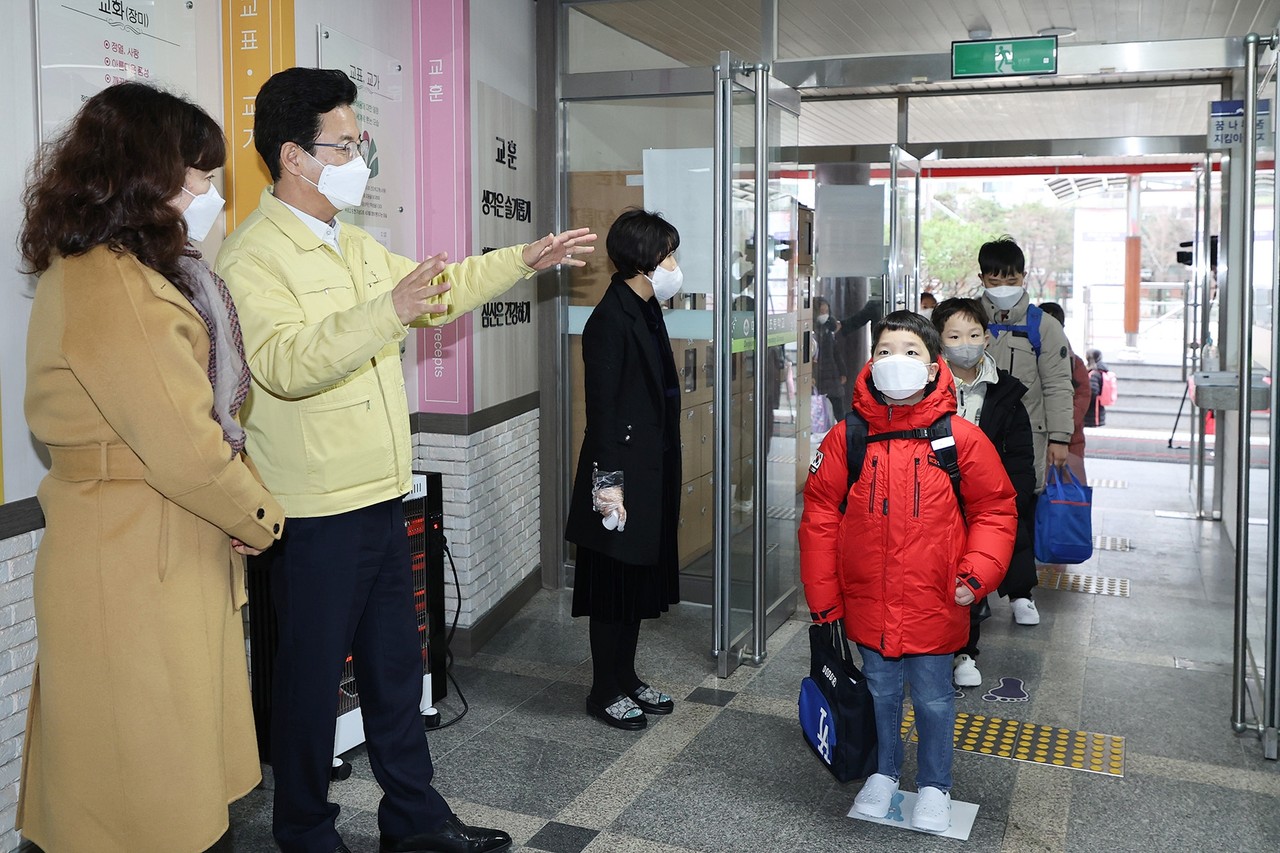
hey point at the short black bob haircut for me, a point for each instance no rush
(1055, 311)
(1001, 257)
(290, 106)
(909, 321)
(639, 240)
(959, 306)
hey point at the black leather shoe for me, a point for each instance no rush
(652, 701)
(453, 836)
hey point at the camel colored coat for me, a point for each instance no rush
(139, 730)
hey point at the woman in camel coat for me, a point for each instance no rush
(139, 731)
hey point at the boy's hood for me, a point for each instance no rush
(939, 399)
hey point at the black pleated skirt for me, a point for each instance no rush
(611, 590)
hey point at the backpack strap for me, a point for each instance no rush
(943, 443)
(855, 437)
(938, 434)
(1029, 330)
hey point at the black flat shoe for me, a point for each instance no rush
(619, 712)
(652, 701)
(453, 836)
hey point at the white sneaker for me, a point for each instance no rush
(876, 796)
(933, 810)
(965, 672)
(1024, 612)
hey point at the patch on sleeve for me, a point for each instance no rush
(1063, 352)
(816, 463)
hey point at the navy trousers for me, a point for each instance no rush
(340, 584)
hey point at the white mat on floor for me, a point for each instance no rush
(904, 802)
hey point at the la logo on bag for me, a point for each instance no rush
(824, 733)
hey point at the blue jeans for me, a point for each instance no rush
(934, 700)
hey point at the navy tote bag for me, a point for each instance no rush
(836, 712)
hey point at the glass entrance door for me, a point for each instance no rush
(717, 166)
(904, 232)
(758, 311)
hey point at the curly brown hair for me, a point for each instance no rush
(110, 178)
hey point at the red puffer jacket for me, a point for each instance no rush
(888, 566)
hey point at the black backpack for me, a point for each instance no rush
(938, 434)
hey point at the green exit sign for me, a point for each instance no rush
(1004, 57)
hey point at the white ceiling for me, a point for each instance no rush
(693, 32)
(808, 28)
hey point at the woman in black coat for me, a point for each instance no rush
(992, 397)
(626, 496)
(830, 374)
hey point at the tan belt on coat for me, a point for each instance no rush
(102, 461)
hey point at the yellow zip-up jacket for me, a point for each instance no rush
(327, 417)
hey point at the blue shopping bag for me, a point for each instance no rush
(1064, 519)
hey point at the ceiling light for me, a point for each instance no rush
(1060, 32)
(979, 33)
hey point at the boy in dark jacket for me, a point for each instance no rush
(1037, 353)
(991, 398)
(898, 560)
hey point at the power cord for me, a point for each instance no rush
(448, 642)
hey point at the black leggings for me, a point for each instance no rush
(613, 659)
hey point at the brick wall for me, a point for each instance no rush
(17, 660)
(491, 509)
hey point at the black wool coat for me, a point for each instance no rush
(625, 425)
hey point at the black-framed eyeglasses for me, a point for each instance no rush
(351, 149)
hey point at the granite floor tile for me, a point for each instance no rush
(711, 696)
(777, 748)
(490, 696)
(521, 772)
(544, 640)
(562, 838)
(1168, 815)
(1175, 713)
(1160, 623)
(709, 807)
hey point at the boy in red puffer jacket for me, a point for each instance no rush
(902, 561)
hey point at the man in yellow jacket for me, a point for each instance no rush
(323, 309)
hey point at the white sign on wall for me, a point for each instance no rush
(504, 329)
(84, 46)
(850, 230)
(380, 112)
(678, 184)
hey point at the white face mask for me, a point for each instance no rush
(899, 376)
(1004, 297)
(202, 212)
(822, 319)
(666, 283)
(926, 313)
(342, 185)
(963, 356)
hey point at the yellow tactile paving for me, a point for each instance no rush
(1019, 741)
(1076, 582)
(1112, 543)
(1108, 484)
